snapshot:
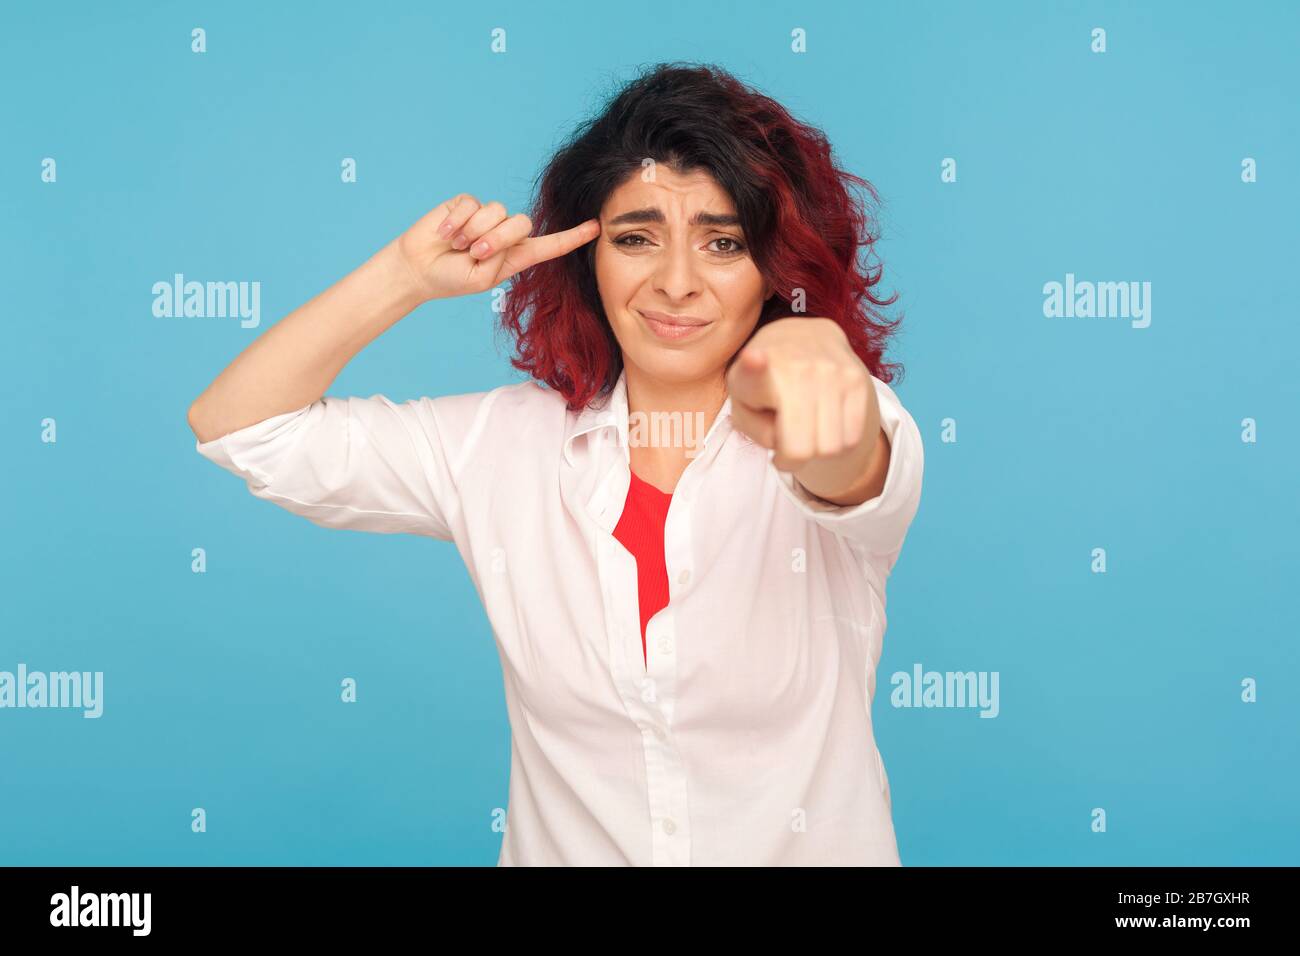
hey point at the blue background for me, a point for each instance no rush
(1118, 690)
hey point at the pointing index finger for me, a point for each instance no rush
(535, 249)
(749, 381)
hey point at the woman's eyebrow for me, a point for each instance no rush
(653, 214)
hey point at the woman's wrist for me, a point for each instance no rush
(406, 280)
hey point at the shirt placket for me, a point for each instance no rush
(642, 690)
(648, 685)
(665, 770)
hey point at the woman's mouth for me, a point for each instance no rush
(673, 327)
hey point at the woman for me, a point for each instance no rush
(689, 617)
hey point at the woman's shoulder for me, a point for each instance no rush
(525, 401)
(510, 415)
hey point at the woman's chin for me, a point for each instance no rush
(679, 366)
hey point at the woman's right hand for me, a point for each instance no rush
(463, 246)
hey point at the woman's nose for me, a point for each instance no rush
(676, 274)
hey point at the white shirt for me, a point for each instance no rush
(747, 738)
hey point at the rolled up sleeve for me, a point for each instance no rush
(363, 464)
(879, 525)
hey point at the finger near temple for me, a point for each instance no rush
(538, 249)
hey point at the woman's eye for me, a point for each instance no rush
(637, 241)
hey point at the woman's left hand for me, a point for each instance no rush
(798, 388)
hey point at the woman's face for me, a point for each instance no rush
(675, 275)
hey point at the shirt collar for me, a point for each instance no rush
(607, 415)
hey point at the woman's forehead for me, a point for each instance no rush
(667, 194)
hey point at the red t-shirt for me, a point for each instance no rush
(641, 531)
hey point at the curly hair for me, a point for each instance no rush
(808, 231)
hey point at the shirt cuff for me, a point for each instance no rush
(249, 451)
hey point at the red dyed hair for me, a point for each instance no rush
(806, 227)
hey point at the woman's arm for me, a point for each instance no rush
(293, 363)
(852, 462)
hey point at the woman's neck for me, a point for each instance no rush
(667, 423)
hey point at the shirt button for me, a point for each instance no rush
(684, 578)
(670, 827)
(660, 734)
(664, 645)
